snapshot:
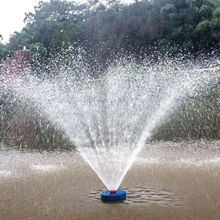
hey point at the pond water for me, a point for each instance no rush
(167, 181)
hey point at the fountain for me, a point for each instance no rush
(109, 118)
(113, 195)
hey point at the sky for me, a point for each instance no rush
(12, 13)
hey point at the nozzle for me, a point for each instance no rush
(113, 195)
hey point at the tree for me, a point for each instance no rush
(105, 28)
(3, 51)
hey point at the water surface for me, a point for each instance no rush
(167, 181)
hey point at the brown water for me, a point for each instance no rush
(168, 181)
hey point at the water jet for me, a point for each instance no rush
(109, 119)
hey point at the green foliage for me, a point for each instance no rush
(104, 29)
(3, 51)
(216, 13)
(205, 11)
(38, 53)
(167, 9)
(203, 27)
(215, 26)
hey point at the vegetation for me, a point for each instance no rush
(196, 119)
(3, 51)
(103, 30)
(21, 126)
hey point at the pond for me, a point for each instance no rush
(169, 180)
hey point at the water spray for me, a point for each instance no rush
(110, 118)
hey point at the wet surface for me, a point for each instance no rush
(144, 196)
(167, 181)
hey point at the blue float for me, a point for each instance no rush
(113, 195)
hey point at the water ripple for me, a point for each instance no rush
(145, 196)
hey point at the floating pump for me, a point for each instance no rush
(113, 195)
